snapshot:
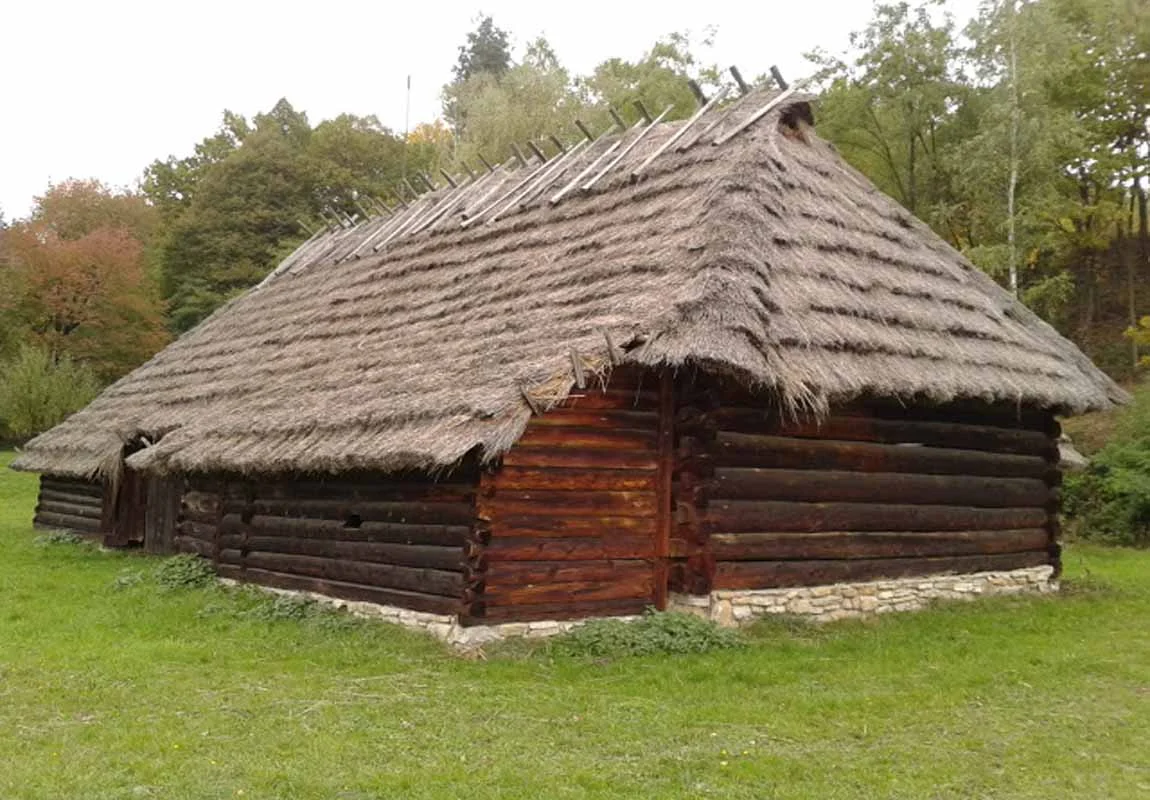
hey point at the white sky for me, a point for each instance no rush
(101, 89)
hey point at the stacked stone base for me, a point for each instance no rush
(853, 600)
(444, 627)
(732, 607)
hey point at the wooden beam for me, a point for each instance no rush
(813, 485)
(666, 444)
(872, 544)
(738, 516)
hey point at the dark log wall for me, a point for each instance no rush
(69, 504)
(394, 540)
(571, 520)
(873, 491)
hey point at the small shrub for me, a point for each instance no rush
(185, 571)
(653, 633)
(1110, 501)
(38, 391)
(56, 538)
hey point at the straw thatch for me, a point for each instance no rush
(766, 257)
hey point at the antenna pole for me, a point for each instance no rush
(406, 129)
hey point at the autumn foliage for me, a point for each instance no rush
(74, 280)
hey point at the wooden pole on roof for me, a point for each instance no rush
(534, 148)
(738, 76)
(541, 179)
(485, 162)
(626, 150)
(778, 76)
(447, 177)
(697, 90)
(518, 155)
(591, 167)
(751, 120)
(718, 98)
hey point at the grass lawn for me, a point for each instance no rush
(128, 692)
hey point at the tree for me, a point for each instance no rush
(77, 281)
(233, 210)
(487, 51)
(483, 60)
(658, 79)
(526, 103)
(242, 218)
(889, 109)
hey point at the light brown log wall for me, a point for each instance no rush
(873, 491)
(571, 516)
(396, 540)
(69, 504)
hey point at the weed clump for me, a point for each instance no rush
(57, 538)
(185, 571)
(655, 632)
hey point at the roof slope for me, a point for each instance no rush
(766, 256)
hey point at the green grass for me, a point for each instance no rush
(132, 692)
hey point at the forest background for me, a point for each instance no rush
(1023, 139)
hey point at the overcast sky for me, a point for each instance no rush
(101, 89)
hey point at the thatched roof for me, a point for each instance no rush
(760, 253)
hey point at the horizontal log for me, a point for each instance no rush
(380, 489)
(574, 503)
(431, 557)
(860, 428)
(781, 452)
(596, 400)
(633, 587)
(581, 479)
(877, 487)
(580, 458)
(47, 519)
(540, 525)
(189, 544)
(94, 500)
(429, 581)
(568, 549)
(415, 601)
(430, 513)
(84, 488)
(872, 544)
(399, 533)
(557, 611)
(973, 412)
(196, 530)
(73, 509)
(514, 574)
(597, 419)
(739, 516)
(202, 517)
(606, 440)
(200, 504)
(775, 574)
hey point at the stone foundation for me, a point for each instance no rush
(850, 600)
(442, 626)
(727, 607)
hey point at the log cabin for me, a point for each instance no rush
(700, 364)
